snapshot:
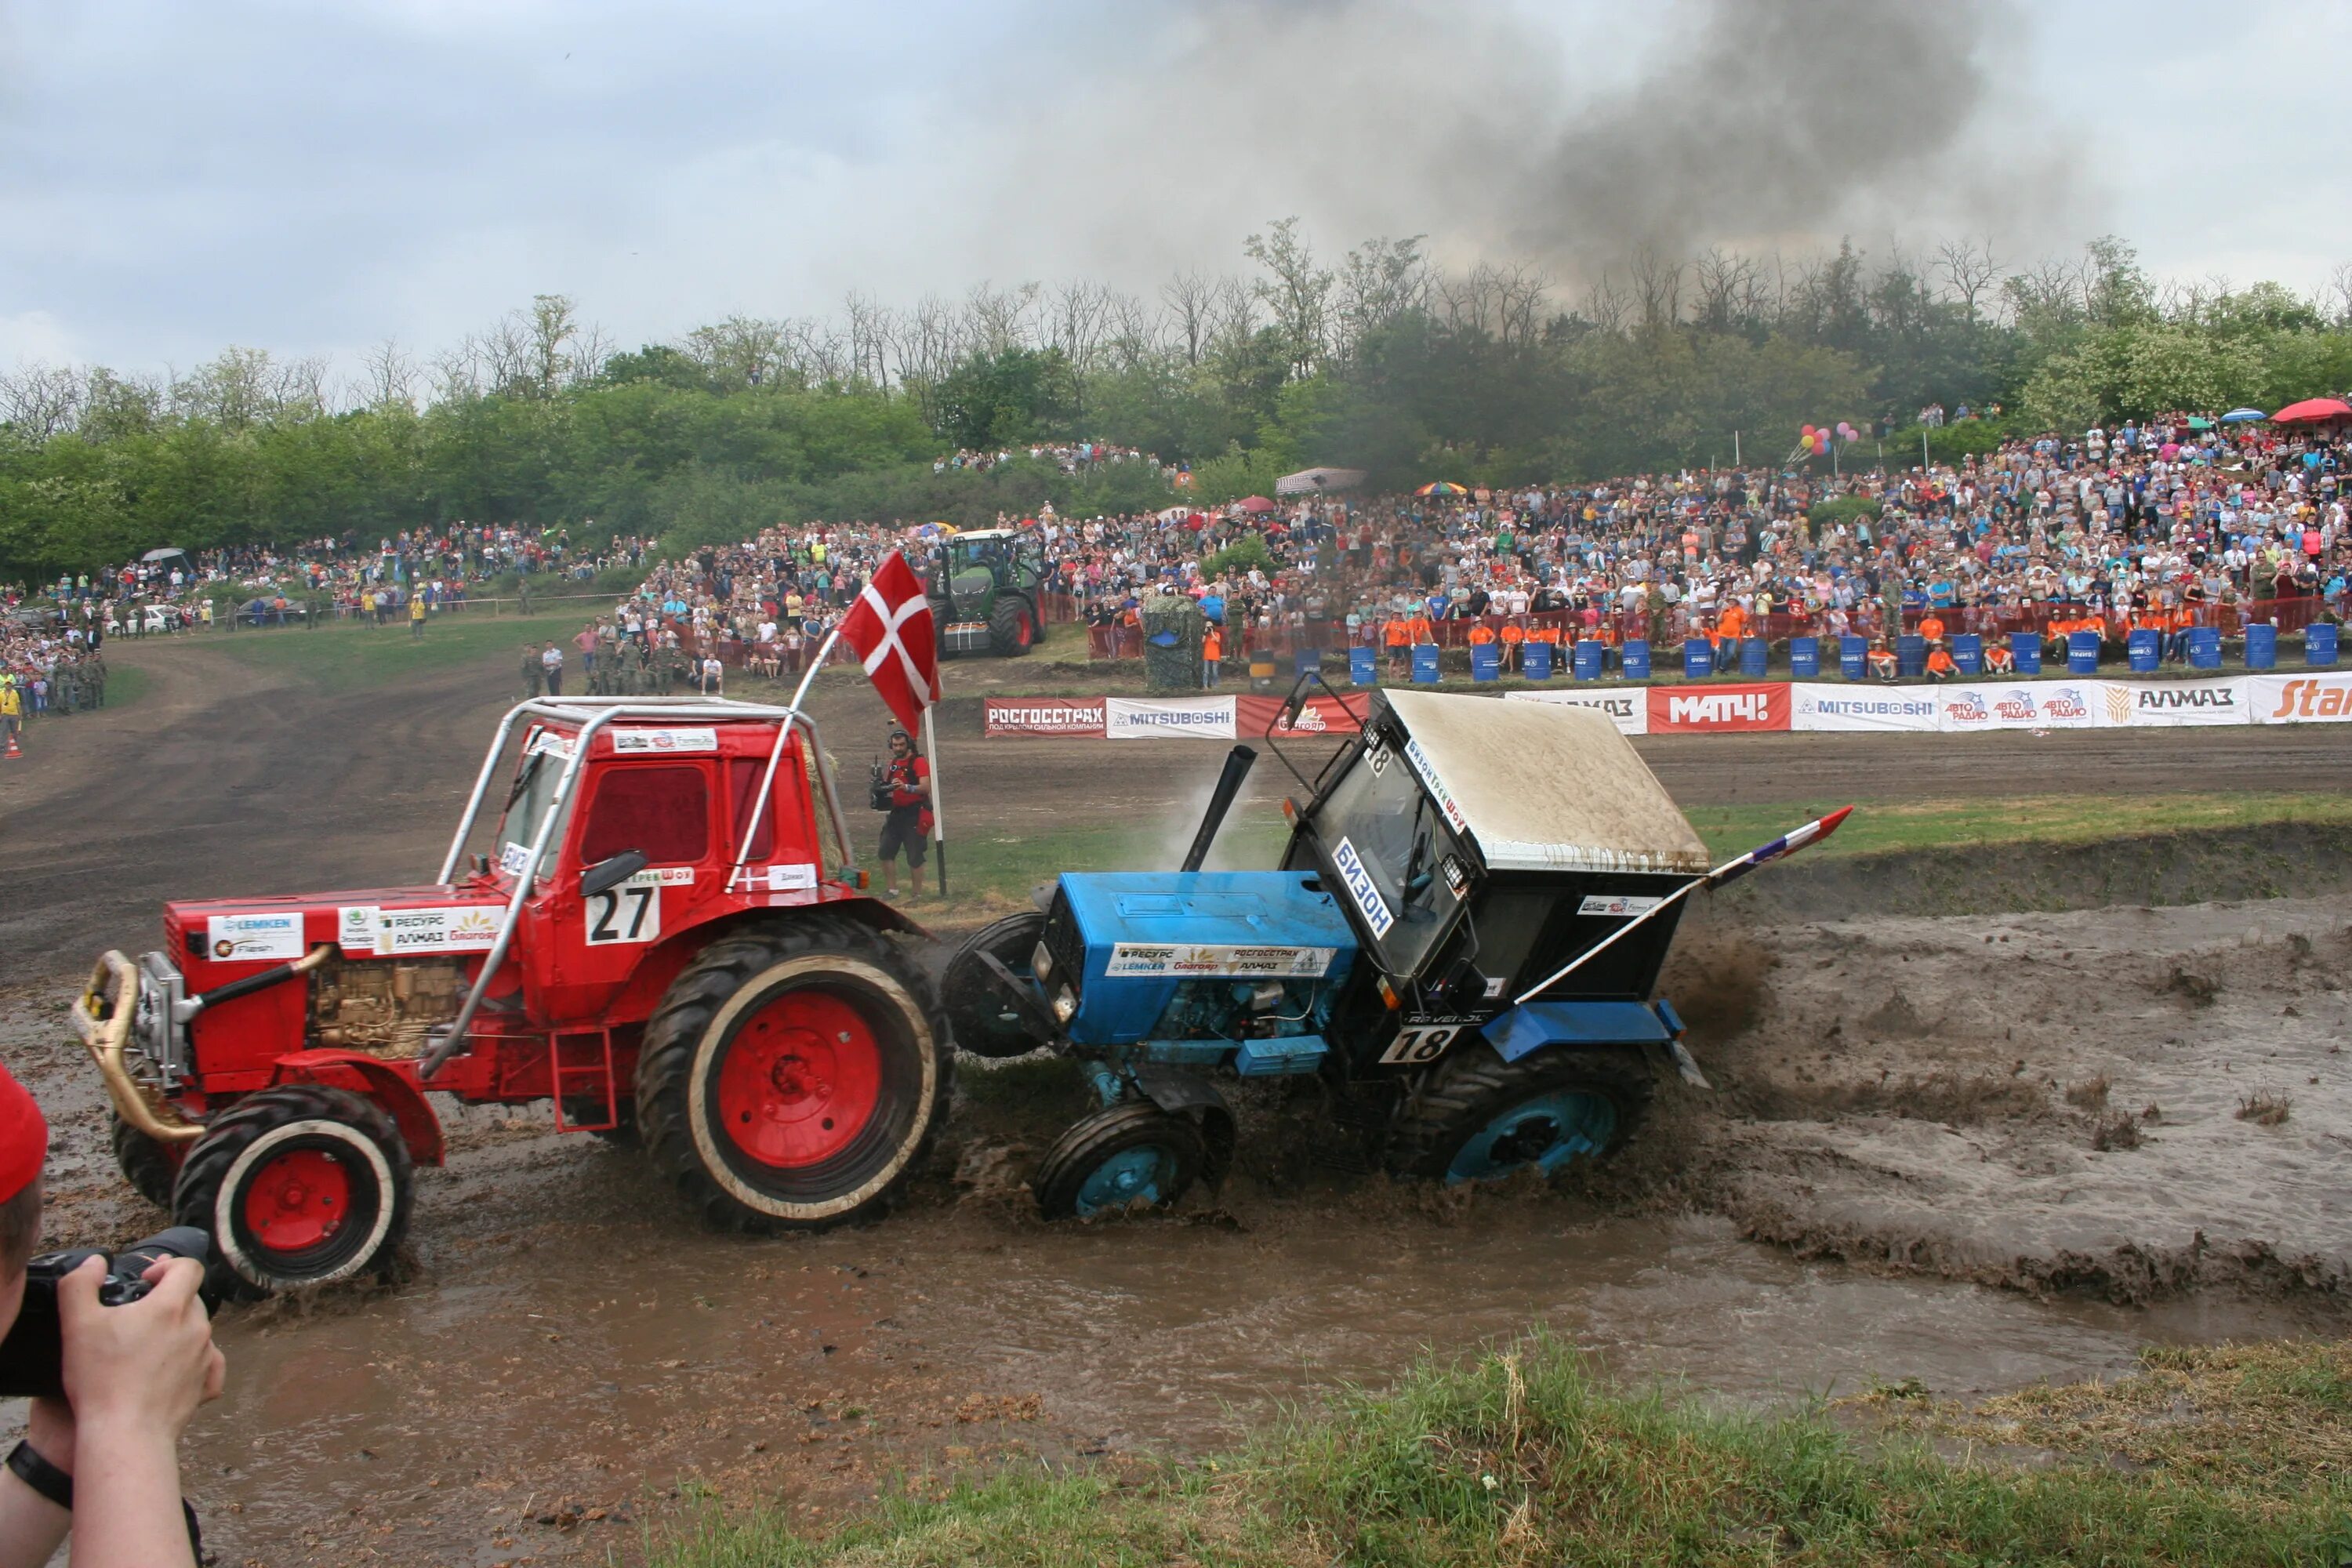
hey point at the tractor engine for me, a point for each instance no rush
(383, 1009)
(1239, 964)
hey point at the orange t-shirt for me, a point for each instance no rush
(1931, 629)
(1420, 631)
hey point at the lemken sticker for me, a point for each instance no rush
(1615, 904)
(1361, 889)
(276, 934)
(1219, 961)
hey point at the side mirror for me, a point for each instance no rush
(608, 874)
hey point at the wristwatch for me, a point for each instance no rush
(32, 1467)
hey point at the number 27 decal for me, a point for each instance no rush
(630, 912)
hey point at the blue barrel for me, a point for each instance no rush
(2144, 647)
(2025, 652)
(1535, 658)
(1752, 653)
(1910, 656)
(1424, 664)
(1853, 657)
(1968, 653)
(1364, 666)
(1485, 661)
(2204, 648)
(2261, 646)
(2081, 653)
(1588, 657)
(1804, 658)
(1306, 661)
(1699, 659)
(1635, 659)
(2319, 645)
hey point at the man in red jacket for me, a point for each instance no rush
(908, 825)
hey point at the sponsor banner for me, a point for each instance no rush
(1323, 715)
(1719, 709)
(1437, 791)
(2316, 699)
(665, 740)
(794, 879)
(1628, 707)
(355, 928)
(1080, 716)
(2026, 705)
(1220, 961)
(1839, 708)
(2173, 703)
(1145, 717)
(470, 928)
(274, 934)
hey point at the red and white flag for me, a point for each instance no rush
(890, 627)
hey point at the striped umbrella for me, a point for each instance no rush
(1441, 488)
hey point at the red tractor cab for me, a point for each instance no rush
(654, 940)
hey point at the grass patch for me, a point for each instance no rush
(1528, 1457)
(346, 655)
(1877, 827)
(991, 863)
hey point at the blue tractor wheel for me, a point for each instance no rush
(1129, 1156)
(1479, 1118)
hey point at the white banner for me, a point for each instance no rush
(1147, 718)
(1628, 707)
(2026, 705)
(2323, 697)
(2171, 704)
(1864, 706)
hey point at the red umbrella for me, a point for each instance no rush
(2312, 411)
(1259, 503)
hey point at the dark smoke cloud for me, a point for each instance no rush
(1572, 139)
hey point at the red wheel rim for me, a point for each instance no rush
(802, 1079)
(297, 1200)
(1028, 632)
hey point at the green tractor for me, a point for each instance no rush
(988, 596)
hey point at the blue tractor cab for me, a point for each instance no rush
(1442, 870)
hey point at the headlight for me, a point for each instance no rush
(1041, 963)
(1065, 1006)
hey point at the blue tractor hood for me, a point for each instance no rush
(1141, 934)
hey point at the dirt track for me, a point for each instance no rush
(1906, 1106)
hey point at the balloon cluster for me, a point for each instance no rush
(1816, 438)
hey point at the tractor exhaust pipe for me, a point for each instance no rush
(1238, 762)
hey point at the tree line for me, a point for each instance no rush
(1378, 359)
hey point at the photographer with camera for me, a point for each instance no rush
(903, 789)
(100, 1459)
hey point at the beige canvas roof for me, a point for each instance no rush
(1545, 787)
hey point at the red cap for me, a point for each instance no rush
(24, 1138)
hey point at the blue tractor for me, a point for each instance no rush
(1442, 869)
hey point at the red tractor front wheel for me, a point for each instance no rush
(298, 1185)
(794, 1077)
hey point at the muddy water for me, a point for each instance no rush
(550, 1363)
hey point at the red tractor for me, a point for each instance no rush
(657, 948)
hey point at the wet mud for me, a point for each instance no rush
(1973, 1143)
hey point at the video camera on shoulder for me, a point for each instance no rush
(33, 1356)
(878, 788)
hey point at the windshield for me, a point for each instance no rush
(528, 800)
(1384, 836)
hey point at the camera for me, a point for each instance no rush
(878, 789)
(33, 1356)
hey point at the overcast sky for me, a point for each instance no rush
(312, 177)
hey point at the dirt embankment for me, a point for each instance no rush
(2134, 1101)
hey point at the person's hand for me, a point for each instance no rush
(148, 1363)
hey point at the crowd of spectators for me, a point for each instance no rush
(1071, 457)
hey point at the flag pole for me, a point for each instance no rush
(939, 817)
(1738, 865)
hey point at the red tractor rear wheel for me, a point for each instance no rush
(298, 1185)
(794, 1075)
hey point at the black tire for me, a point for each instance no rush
(1095, 1140)
(1013, 628)
(693, 1090)
(982, 1021)
(229, 1173)
(145, 1163)
(942, 612)
(1472, 1089)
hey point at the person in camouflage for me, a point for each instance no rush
(534, 673)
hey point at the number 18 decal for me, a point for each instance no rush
(1420, 1044)
(630, 912)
